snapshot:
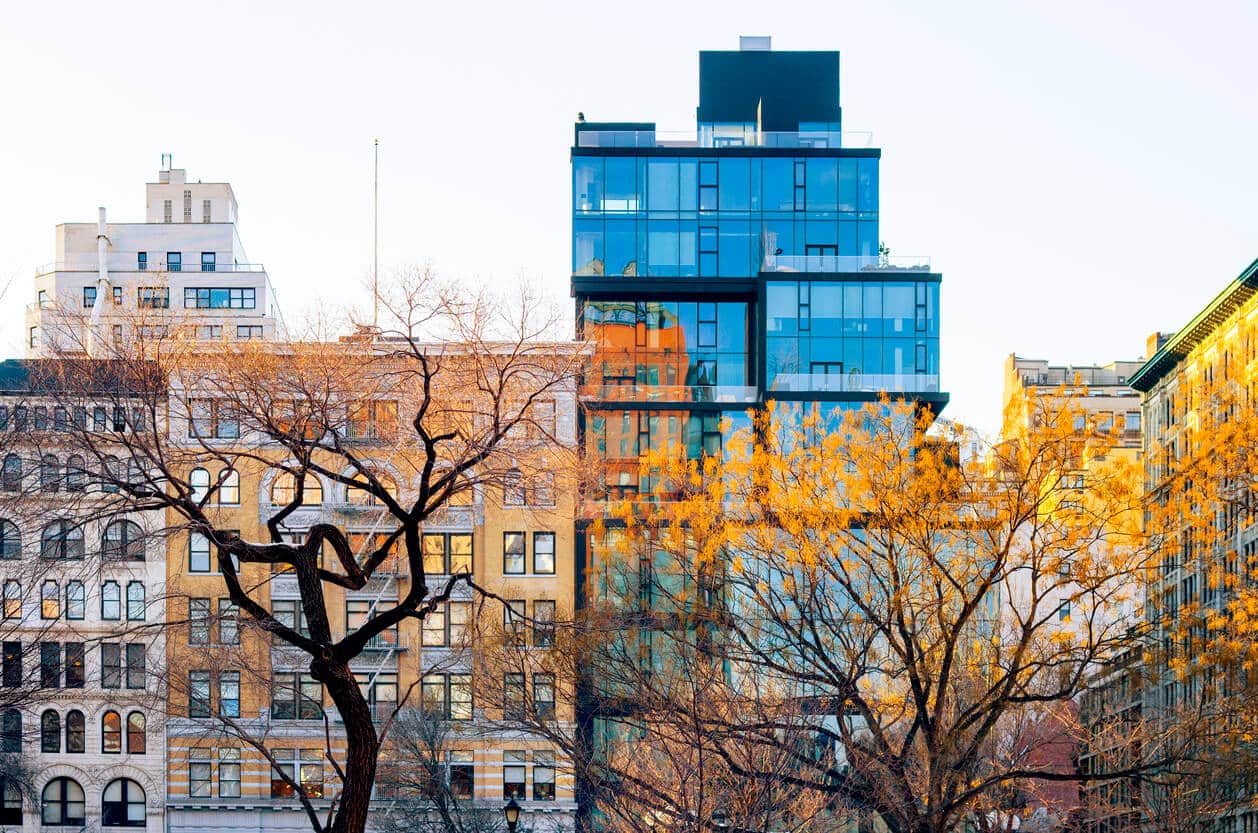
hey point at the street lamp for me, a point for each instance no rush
(721, 819)
(512, 813)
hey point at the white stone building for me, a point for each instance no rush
(184, 266)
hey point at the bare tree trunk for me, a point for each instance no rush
(362, 745)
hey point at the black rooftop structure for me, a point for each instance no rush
(786, 87)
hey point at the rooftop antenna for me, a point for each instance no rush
(168, 159)
(375, 238)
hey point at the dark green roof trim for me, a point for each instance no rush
(1209, 319)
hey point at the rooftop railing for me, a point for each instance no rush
(775, 139)
(845, 263)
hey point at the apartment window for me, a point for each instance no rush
(76, 732)
(123, 541)
(446, 624)
(187, 206)
(198, 553)
(248, 332)
(122, 804)
(207, 262)
(198, 621)
(12, 599)
(76, 673)
(447, 553)
(513, 488)
(11, 676)
(111, 733)
(137, 733)
(200, 773)
(380, 689)
(513, 623)
(33, 340)
(447, 695)
(513, 696)
(89, 297)
(10, 539)
(50, 731)
(198, 694)
(50, 665)
(228, 772)
(513, 773)
(228, 622)
(543, 775)
(110, 601)
(142, 260)
(11, 475)
(50, 600)
(544, 553)
(288, 612)
(296, 696)
(11, 731)
(229, 693)
(544, 696)
(11, 803)
(135, 601)
(110, 665)
(219, 297)
(371, 419)
(462, 774)
(544, 623)
(153, 297)
(205, 211)
(135, 665)
(513, 556)
(61, 541)
(212, 418)
(303, 766)
(229, 487)
(166, 211)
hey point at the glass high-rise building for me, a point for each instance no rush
(739, 264)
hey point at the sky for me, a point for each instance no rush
(1081, 173)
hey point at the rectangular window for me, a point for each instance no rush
(219, 297)
(372, 419)
(174, 261)
(544, 553)
(198, 553)
(187, 206)
(228, 623)
(212, 418)
(75, 669)
(513, 621)
(513, 696)
(513, 553)
(205, 211)
(544, 623)
(142, 260)
(110, 665)
(153, 297)
(50, 665)
(110, 601)
(543, 775)
(288, 612)
(229, 693)
(513, 773)
(200, 773)
(166, 211)
(198, 621)
(434, 628)
(228, 772)
(89, 297)
(208, 261)
(462, 774)
(198, 694)
(248, 332)
(447, 553)
(135, 665)
(296, 696)
(12, 671)
(544, 696)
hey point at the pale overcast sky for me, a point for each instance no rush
(1082, 173)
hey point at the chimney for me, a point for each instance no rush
(755, 43)
(1154, 343)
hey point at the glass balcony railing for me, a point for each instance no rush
(855, 382)
(777, 139)
(845, 263)
(733, 394)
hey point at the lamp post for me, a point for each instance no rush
(720, 819)
(512, 814)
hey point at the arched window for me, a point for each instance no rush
(10, 803)
(199, 481)
(111, 733)
(135, 601)
(123, 541)
(61, 540)
(137, 740)
(285, 487)
(12, 599)
(362, 497)
(64, 803)
(50, 600)
(11, 474)
(10, 540)
(11, 731)
(76, 732)
(122, 804)
(50, 731)
(76, 473)
(49, 473)
(229, 487)
(111, 472)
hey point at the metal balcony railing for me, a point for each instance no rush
(845, 263)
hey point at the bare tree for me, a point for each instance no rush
(400, 423)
